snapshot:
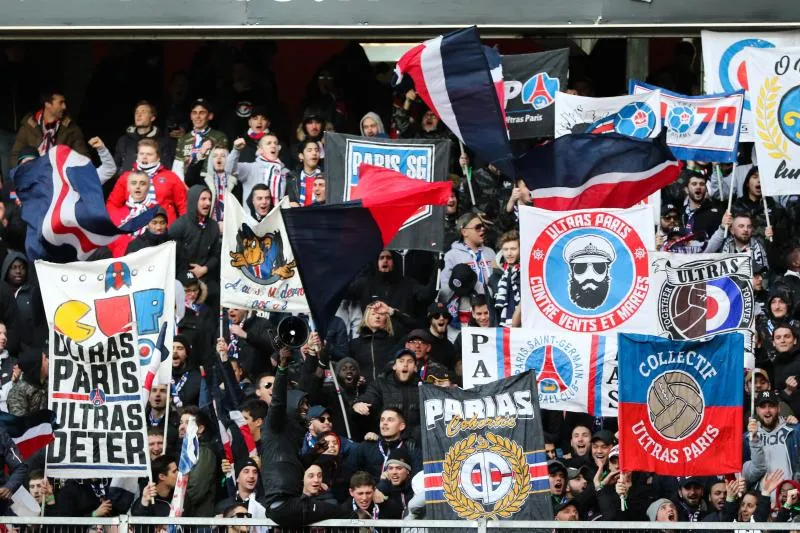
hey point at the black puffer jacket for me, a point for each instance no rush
(256, 349)
(388, 391)
(282, 436)
(373, 350)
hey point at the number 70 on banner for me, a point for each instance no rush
(681, 119)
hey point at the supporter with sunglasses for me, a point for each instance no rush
(320, 421)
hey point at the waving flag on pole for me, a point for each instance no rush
(63, 205)
(613, 170)
(190, 452)
(462, 82)
(333, 242)
(29, 433)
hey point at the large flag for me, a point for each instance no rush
(680, 405)
(725, 64)
(427, 160)
(89, 301)
(63, 205)
(611, 170)
(775, 102)
(699, 128)
(531, 84)
(30, 433)
(190, 453)
(586, 271)
(258, 268)
(96, 393)
(697, 295)
(633, 115)
(462, 82)
(484, 452)
(574, 372)
(333, 243)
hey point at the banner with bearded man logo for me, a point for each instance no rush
(586, 271)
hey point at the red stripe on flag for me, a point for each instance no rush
(70, 396)
(621, 194)
(30, 446)
(62, 154)
(592, 374)
(433, 481)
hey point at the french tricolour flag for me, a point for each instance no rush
(63, 205)
(29, 433)
(587, 171)
(462, 82)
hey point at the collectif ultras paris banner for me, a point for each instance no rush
(574, 372)
(471, 436)
(96, 394)
(586, 271)
(680, 405)
(422, 159)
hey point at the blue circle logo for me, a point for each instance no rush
(732, 71)
(680, 119)
(553, 367)
(789, 114)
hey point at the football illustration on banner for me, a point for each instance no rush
(586, 271)
(675, 404)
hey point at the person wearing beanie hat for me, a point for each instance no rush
(185, 385)
(258, 125)
(155, 233)
(662, 510)
(395, 483)
(442, 350)
(246, 473)
(29, 393)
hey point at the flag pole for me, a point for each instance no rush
(718, 175)
(166, 424)
(766, 212)
(44, 496)
(730, 193)
(312, 327)
(753, 393)
(468, 173)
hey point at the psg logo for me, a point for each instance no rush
(558, 367)
(705, 297)
(675, 405)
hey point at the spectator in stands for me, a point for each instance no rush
(787, 354)
(202, 487)
(209, 170)
(566, 511)
(371, 125)
(373, 347)
(442, 350)
(155, 441)
(662, 510)
(40, 488)
(470, 250)
(254, 412)
(259, 202)
(580, 446)
(48, 127)
(372, 456)
(779, 441)
(155, 233)
(752, 203)
(419, 341)
(320, 191)
(267, 168)
(397, 388)
(29, 394)
(156, 412)
(247, 474)
(741, 238)
(188, 148)
(395, 484)
(85, 497)
(258, 124)
(264, 384)
(163, 187)
(689, 501)
(249, 339)
(126, 150)
(300, 183)
(185, 380)
(716, 491)
(504, 284)
(156, 497)
(701, 215)
(198, 241)
(428, 127)
(777, 311)
(362, 505)
(18, 276)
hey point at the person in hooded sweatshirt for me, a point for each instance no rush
(155, 233)
(371, 125)
(776, 311)
(18, 277)
(281, 469)
(780, 441)
(471, 251)
(198, 239)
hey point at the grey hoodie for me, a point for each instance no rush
(461, 253)
(374, 116)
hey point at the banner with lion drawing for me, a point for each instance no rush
(774, 75)
(258, 267)
(484, 452)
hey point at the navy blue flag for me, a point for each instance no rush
(63, 205)
(587, 171)
(462, 82)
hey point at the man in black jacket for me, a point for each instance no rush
(398, 389)
(373, 456)
(282, 472)
(144, 116)
(198, 239)
(185, 380)
(17, 470)
(248, 340)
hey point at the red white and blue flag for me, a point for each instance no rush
(30, 433)
(461, 81)
(680, 404)
(575, 372)
(63, 206)
(587, 171)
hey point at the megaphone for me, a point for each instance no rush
(292, 332)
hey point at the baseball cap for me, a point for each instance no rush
(202, 102)
(563, 505)
(438, 308)
(404, 351)
(420, 334)
(573, 472)
(766, 396)
(554, 466)
(438, 373)
(605, 436)
(669, 208)
(691, 480)
(758, 371)
(316, 411)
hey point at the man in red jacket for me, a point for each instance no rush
(165, 186)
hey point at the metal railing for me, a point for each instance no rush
(126, 523)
